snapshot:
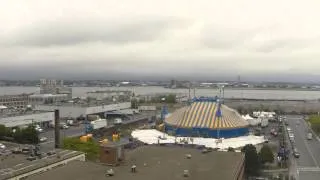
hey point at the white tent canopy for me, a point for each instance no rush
(3, 107)
(151, 136)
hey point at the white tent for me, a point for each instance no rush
(3, 107)
(151, 136)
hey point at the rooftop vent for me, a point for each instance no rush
(186, 173)
(110, 172)
(188, 156)
(133, 168)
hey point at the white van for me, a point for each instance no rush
(309, 136)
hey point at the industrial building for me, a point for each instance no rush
(113, 95)
(157, 163)
(13, 118)
(206, 117)
(47, 98)
(17, 101)
(52, 86)
(75, 110)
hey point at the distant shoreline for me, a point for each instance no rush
(226, 88)
(272, 89)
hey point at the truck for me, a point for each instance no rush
(117, 121)
(98, 124)
(309, 136)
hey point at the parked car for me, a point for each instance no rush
(64, 126)
(296, 153)
(2, 146)
(31, 158)
(25, 150)
(309, 136)
(43, 139)
(16, 151)
(51, 153)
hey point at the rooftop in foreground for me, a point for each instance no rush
(17, 164)
(156, 163)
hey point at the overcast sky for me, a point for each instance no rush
(132, 39)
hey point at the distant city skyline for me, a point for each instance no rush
(267, 40)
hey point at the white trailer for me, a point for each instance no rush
(98, 124)
(117, 121)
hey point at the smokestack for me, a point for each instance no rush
(56, 129)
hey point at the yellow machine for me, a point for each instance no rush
(104, 141)
(115, 137)
(86, 138)
(160, 127)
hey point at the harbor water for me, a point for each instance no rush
(229, 93)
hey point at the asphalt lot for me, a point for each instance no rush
(307, 165)
(75, 131)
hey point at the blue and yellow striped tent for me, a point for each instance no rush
(205, 119)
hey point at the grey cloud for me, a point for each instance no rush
(75, 32)
(218, 38)
(290, 44)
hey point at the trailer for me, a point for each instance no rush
(98, 124)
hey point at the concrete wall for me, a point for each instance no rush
(27, 119)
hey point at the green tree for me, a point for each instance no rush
(30, 135)
(266, 155)
(171, 98)
(252, 162)
(2, 131)
(134, 103)
(18, 135)
(314, 120)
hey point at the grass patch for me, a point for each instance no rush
(314, 121)
(90, 148)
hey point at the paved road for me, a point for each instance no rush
(74, 131)
(307, 166)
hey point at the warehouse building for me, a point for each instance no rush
(75, 110)
(23, 118)
(47, 98)
(19, 101)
